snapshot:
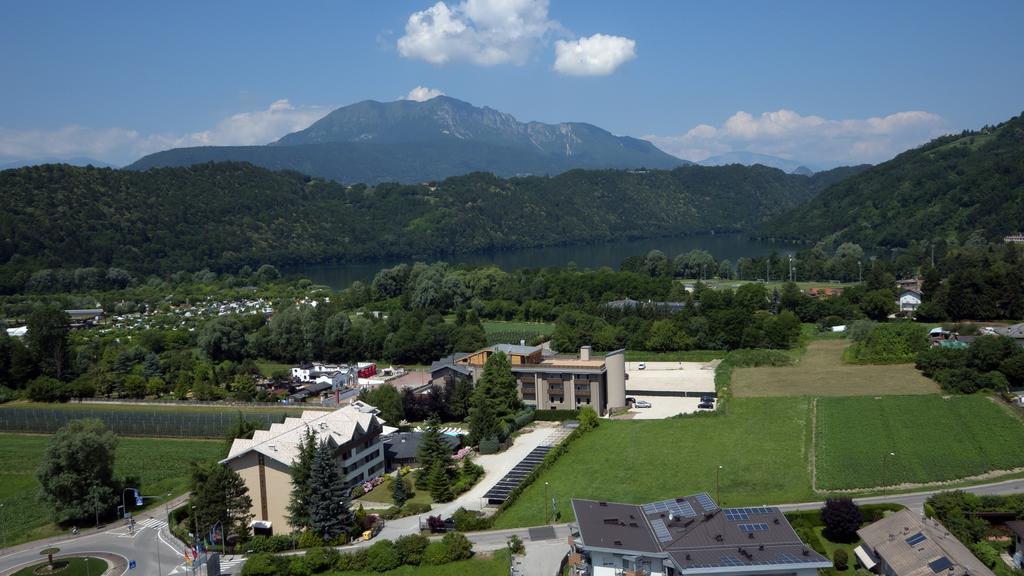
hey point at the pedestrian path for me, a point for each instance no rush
(150, 523)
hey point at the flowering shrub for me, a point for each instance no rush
(371, 484)
(462, 453)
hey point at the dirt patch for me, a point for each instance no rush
(821, 372)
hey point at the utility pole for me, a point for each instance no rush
(883, 469)
(3, 528)
(718, 494)
(544, 504)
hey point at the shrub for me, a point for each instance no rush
(271, 544)
(310, 539)
(264, 564)
(842, 519)
(382, 556)
(859, 330)
(935, 359)
(470, 521)
(414, 508)
(357, 492)
(410, 548)
(555, 415)
(459, 547)
(840, 559)
(353, 562)
(321, 559)
(588, 418)
(436, 524)
(489, 446)
(515, 544)
(988, 555)
(435, 554)
(892, 342)
(46, 389)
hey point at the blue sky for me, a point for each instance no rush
(825, 82)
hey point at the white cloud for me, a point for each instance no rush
(597, 55)
(814, 140)
(422, 94)
(122, 146)
(484, 32)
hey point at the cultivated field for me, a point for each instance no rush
(821, 372)
(160, 465)
(762, 445)
(501, 332)
(933, 438)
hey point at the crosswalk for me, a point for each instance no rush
(150, 523)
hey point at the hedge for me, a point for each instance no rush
(555, 415)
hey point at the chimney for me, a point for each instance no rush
(584, 352)
(522, 342)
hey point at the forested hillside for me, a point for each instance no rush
(224, 216)
(948, 189)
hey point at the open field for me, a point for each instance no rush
(496, 564)
(502, 332)
(933, 438)
(820, 371)
(267, 368)
(762, 445)
(160, 465)
(677, 356)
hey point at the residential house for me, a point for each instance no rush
(402, 448)
(1017, 529)
(549, 381)
(903, 544)
(447, 370)
(684, 536)
(264, 462)
(909, 300)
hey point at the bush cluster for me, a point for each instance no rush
(412, 550)
(989, 363)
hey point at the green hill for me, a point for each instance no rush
(227, 215)
(406, 141)
(952, 187)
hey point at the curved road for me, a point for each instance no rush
(157, 553)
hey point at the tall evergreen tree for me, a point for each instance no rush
(399, 493)
(483, 422)
(459, 398)
(300, 500)
(433, 448)
(439, 478)
(329, 513)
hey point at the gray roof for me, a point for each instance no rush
(515, 349)
(406, 445)
(695, 533)
(912, 547)
(450, 363)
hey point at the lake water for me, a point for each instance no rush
(721, 246)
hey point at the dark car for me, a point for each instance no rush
(705, 399)
(706, 406)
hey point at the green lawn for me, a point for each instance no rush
(497, 564)
(161, 466)
(820, 371)
(933, 438)
(267, 368)
(75, 567)
(382, 493)
(762, 445)
(502, 332)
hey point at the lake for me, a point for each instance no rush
(721, 246)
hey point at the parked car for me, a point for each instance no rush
(630, 400)
(707, 399)
(641, 404)
(706, 406)
(641, 366)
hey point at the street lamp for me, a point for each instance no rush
(718, 495)
(884, 457)
(3, 528)
(195, 538)
(544, 504)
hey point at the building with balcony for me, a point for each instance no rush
(264, 462)
(549, 381)
(903, 544)
(687, 536)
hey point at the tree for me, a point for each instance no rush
(842, 519)
(387, 399)
(459, 398)
(77, 470)
(432, 447)
(399, 492)
(301, 496)
(47, 338)
(222, 338)
(329, 514)
(588, 418)
(498, 385)
(220, 496)
(878, 304)
(483, 422)
(440, 482)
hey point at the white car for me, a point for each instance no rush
(641, 404)
(641, 366)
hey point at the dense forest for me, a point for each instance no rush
(225, 216)
(950, 189)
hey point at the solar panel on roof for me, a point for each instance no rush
(684, 509)
(706, 502)
(916, 539)
(757, 527)
(730, 561)
(940, 564)
(736, 514)
(660, 530)
(788, 558)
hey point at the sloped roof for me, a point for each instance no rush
(912, 547)
(282, 441)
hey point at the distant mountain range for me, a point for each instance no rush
(959, 186)
(76, 161)
(407, 141)
(751, 158)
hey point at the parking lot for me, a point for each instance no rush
(670, 387)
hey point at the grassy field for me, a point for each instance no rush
(161, 465)
(496, 564)
(762, 445)
(382, 494)
(267, 368)
(933, 438)
(820, 371)
(158, 407)
(502, 332)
